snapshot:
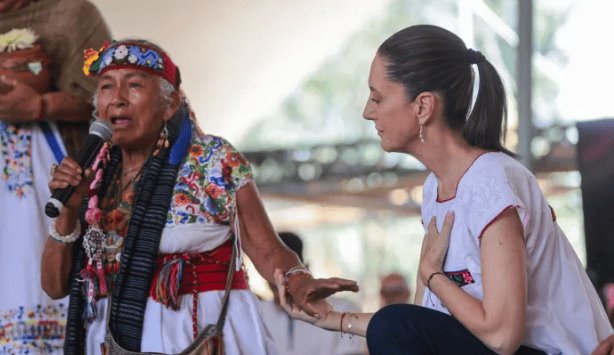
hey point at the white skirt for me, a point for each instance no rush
(168, 331)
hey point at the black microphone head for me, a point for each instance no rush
(102, 129)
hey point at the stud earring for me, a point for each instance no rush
(162, 141)
(421, 134)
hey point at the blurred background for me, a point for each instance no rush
(286, 82)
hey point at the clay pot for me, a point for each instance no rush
(29, 66)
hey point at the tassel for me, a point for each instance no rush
(101, 279)
(168, 283)
(89, 289)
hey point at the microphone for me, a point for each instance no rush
(100, 132)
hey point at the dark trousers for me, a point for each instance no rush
(408, 329)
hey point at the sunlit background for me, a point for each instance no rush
(285, 81)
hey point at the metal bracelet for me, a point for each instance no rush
(299, 269)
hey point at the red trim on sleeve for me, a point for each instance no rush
(495, 218)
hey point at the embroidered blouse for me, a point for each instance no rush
(558, 288)
(207, 183)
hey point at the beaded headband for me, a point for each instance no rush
(131, 55)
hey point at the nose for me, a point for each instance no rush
(119, 96)
(369, 112)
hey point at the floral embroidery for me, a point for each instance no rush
(16, 149)
(207, 183)
(461, 277)
(196, 151)
(38, 330)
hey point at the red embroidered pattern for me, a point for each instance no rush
(461, 277)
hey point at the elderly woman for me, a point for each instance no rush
(167, 205)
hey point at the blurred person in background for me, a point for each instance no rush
(496, 272)
(393, 289)
(44, 113)
(296, 337)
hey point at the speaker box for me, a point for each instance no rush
(596, 166)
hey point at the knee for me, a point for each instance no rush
(385, 326)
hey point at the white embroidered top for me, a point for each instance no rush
(29, 319)
(564, 313)
(204, 201)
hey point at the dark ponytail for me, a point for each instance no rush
(430, 58)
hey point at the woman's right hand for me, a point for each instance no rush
(69, 173)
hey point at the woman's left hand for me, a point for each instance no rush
(435, 247)
(18, 101)
(308, 293)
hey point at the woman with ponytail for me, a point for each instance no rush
(496, 274)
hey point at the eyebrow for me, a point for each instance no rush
(128, 76)
(138, 73)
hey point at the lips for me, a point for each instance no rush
(120, 120)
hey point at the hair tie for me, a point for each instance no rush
(475, 57)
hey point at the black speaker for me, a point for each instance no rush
(596, 166)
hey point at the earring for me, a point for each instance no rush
(421, 134)
(162, 141)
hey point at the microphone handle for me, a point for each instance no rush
(55, 204)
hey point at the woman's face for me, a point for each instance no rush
(132, 101)
(391, 111)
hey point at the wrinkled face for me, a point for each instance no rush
(390, 110)
(132, 101)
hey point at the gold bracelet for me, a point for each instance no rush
(349, 327)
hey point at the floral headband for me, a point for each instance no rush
(132, 55)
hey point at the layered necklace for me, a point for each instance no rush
(108, 221)
(117, 209)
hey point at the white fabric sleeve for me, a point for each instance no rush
(491, 194)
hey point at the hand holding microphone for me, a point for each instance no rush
(69, 176)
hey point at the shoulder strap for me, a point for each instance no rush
(229, 279)
(52, 141)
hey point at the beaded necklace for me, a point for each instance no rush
(108, 225)
(116, 218)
